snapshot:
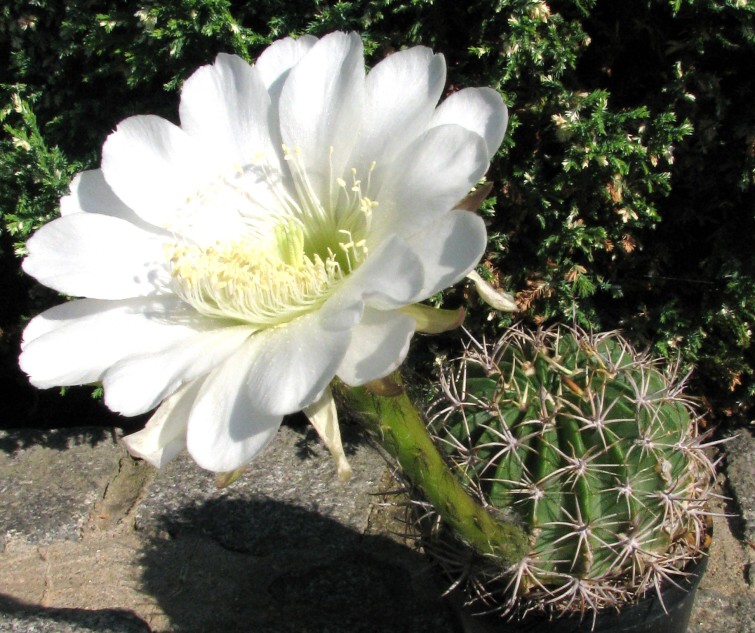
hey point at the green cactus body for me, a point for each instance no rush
(595, 450)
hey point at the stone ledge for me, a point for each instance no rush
(97, 541)
(90, 532)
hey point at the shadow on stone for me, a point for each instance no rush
(351, 435)
(26, 407)
(20, 616)
(14, 440)
(261, 565)
(63, 435)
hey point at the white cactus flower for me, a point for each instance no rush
(281, 236)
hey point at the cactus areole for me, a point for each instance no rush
(594, 448)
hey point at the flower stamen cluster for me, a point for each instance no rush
(260, 288)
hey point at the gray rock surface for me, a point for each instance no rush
(740, 467)
(18, 617)
(94, 541)
(50, 479)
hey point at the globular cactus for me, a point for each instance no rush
(594, 450)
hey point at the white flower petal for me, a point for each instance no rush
(273, 66)
(426, 180)
(154, 167)
(90, 193)
(324, 417)
(378, 346)
(76, 342)
(226, 430)
(279, 58)
(391, 277)
(164, 436)
(480, 110)
(321, 107)
(401, 94)
(448, 249)
(97, 256)
(138, 383)
(227, 106)
(289, 366)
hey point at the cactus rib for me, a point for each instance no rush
(596, 449)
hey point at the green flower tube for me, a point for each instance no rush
(384, 408)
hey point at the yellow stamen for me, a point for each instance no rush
(287, 258)
(237, 281)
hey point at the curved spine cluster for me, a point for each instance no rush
(594, 447)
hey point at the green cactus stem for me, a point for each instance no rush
(595, 448)
(384, 408)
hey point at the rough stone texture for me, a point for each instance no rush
(725, 601)
(284, 549)
(290, 482)
(18, 617)
(740, 466)
(95, 541)
(44, 498)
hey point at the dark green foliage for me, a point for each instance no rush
(624, 190)
(40, 174)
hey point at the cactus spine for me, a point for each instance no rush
(596, 450)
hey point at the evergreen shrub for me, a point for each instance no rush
(623, 193)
